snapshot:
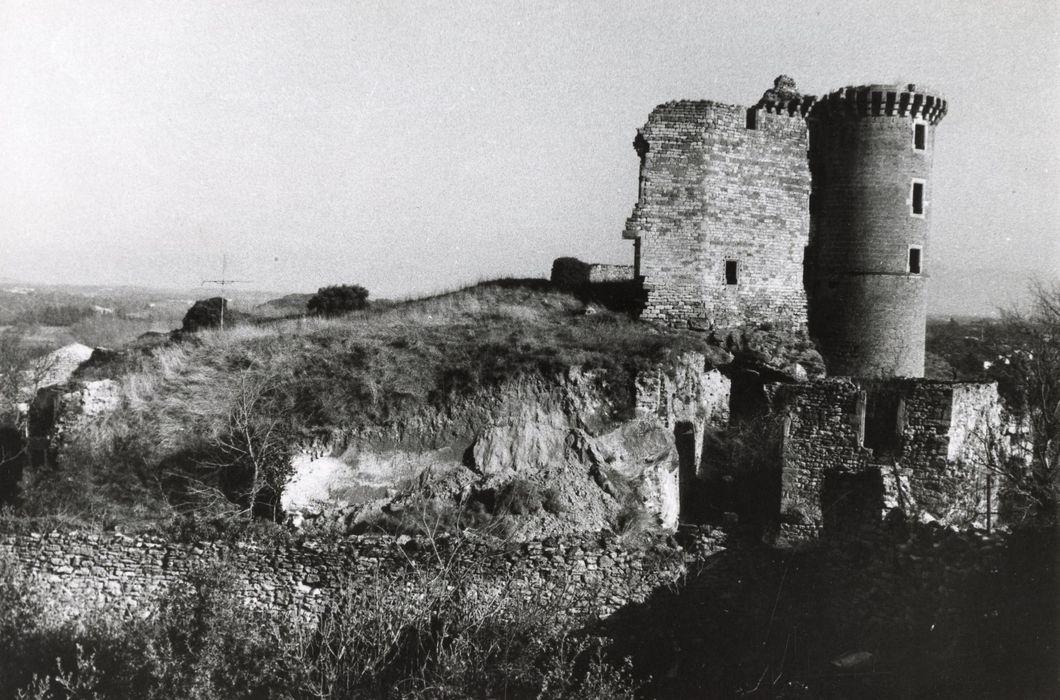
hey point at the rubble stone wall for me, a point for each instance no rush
(917, 445)
(571, 272)
(78, 574)
(61, 409)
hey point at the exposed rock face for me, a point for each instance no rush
(325, 481)
(554, 436)
(57, 367)
(778, 355)
(641, 455)
(531, 438)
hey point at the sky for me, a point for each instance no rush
(417, 146)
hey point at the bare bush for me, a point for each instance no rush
(1030, 380)
(253, 457)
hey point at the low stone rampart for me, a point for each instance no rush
(78, 574)
(573, 273)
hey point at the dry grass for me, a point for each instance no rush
(399, 369)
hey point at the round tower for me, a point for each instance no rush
(867, 262)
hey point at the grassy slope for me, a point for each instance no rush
(322, 377)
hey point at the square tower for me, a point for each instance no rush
(722, 219)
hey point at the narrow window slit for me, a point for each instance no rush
(914, 261)
(919, 136)
(918, 197)
(730, 272)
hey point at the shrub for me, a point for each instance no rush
(338, 299)
(211, 313)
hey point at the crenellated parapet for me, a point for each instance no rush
(792, 107)
(881, 100)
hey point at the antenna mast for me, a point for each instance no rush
(222, 283)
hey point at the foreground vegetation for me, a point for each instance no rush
(1021, 352)
(411, 634)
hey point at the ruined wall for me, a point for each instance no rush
(688, 400)
(717, 186)
(853, 450)
(81, 573)
(691, 390)
(58, 410)
(823, 433)
(571, 272)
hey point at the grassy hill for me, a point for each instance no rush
(398, 376)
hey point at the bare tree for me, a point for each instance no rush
(1030, 383)
(253, 449)
(23, 370)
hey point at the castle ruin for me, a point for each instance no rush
(812, 214)
(796, 212)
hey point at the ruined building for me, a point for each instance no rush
(813, 213)
(797, 211)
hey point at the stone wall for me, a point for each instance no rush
(61, 409)
(82, 573)
(718, 186)
(855, 450)
(573, 273)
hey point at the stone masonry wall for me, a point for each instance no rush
(918, 446)
(822, 432)
(81, 573)
(714, 190)
(571, 272)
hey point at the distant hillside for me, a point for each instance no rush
(288, 305)
(979, 291)
(109, 316)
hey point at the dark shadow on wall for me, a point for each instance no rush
(626, 297)
(851, 504)
(687, 465)
(740, 472)
(12, 461)
(929, 613)
(747, 398)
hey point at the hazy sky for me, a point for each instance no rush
(412, 146)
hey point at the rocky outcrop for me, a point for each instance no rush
(558, 437)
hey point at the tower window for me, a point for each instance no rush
(752, 118)
(730, 272)
(919, 136)
(918, 197)
(914, 260)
